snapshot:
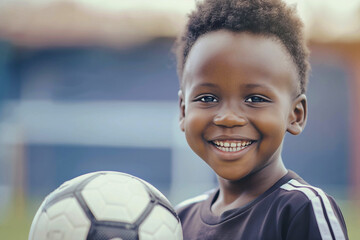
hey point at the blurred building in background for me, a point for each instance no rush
(92, 85)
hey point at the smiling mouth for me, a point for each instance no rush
(231, 146)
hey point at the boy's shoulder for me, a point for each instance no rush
(289, 206)
(195, 200)
(297, 197)
(298, 192)
(312, 204)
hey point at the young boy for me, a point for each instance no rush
(243, 68)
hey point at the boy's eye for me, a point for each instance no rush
(256, 99)
(207, 99)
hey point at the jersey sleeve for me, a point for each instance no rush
(318, 219)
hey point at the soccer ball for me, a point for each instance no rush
(106, 206)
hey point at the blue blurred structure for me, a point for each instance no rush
(84, 109)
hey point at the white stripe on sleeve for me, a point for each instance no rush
(334, 222)
(199, 198)
(318, 211)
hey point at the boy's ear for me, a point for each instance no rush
(298, 115)
(182, 110)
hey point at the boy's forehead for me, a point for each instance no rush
(225, 49)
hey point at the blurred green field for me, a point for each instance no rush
(17, 223)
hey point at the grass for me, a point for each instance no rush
(17, 224)
(351, 213)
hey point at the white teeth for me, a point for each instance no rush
(232, 146)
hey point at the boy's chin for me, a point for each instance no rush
(233, 175)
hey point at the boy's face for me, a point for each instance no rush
(239, 96)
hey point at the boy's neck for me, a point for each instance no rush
(235, 194)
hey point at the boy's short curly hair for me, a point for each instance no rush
(265, 17)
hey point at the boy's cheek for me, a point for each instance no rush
(194, 125)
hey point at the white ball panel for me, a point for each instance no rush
(76, 215)
(79, 234)
(94, 201)
(39, 227)
(58, 208)
(74, 181)
(105, 178)
(160, 225)
(122, 198)
(115, 213)
(59, 228)
(64, 220)
(156, 191)
(107, 191)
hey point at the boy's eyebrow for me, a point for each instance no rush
(247, 85)
(207, 85)
(255, 85)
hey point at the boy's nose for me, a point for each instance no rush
(229, 119)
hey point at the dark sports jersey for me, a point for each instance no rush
(290, 209)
